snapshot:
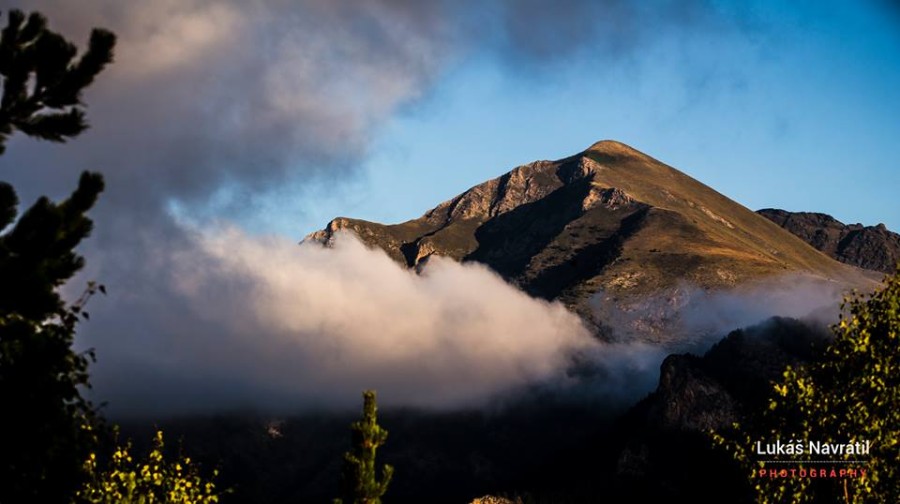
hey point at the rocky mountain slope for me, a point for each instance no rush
(697, 394)
(610, 222)
(870, 247)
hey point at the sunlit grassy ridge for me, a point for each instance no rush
(609, 218)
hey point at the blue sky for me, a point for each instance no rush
(281, 116)
(799, 111)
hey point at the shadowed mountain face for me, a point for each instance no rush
(870, 247)
(609, 222)
(729, 383)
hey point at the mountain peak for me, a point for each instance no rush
(609, 220)
(614, 149)
(610, 146)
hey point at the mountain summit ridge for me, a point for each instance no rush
(609, 220)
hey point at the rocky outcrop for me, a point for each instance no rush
(688, 398)
(698, 393)
(870, 247)
(488, 499)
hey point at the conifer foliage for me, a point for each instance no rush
(43, 81)
(360, 482)
(47, 429)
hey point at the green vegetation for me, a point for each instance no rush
(154, 480)
(360, 483)
(52, 428)
(51, 439)
(852, 395)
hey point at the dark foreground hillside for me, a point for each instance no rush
(441, 457)
(548, 447)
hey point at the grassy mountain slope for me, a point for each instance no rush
(609, 219)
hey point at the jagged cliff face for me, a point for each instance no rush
(870, 247)
(609, 221)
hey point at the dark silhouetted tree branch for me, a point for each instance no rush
(43, 79)
(47, 429)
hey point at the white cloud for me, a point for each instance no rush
(302, 325)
